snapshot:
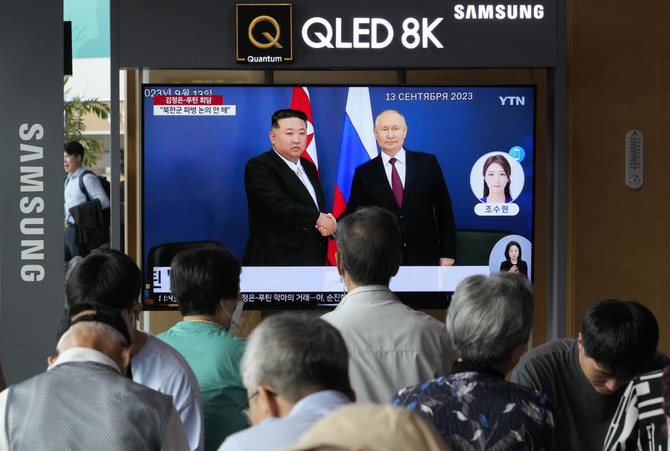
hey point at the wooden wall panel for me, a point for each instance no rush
(618, 75)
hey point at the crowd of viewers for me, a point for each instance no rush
(373, 374)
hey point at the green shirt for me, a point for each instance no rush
(214, 355)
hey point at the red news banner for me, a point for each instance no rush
(192, 105)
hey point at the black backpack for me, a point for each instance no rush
(105, 186)
(103, 181)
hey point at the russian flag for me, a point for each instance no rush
(358, 146)
(300, 101)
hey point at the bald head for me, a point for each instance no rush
(98, 336)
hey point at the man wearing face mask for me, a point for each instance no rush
(206, 283)
(111, 278)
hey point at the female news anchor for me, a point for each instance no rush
(496, 174)
(513, 262)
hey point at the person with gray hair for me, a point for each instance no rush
(390, 344)
(86, 400)
(295, 370)
(489, 321)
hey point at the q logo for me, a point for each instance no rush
(272, 40)
(264, 32)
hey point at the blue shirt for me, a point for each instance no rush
(279, 433)
(74, 196)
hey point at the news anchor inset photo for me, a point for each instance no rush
(496, 180)
(511, 254)
(513, 261)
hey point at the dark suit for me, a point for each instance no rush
(282, 214)
(426, 217)
(521, 265)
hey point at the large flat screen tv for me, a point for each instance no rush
(198, 138)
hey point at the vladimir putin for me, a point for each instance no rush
(410, 185)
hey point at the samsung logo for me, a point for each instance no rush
(32, 204)
(498, 12)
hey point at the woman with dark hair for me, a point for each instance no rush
(513, 262)
(497, 171)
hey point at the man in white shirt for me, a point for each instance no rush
(390, 345)
(84, 400)
(295, 370)
(77, 177)
(112, 278)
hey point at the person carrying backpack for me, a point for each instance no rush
(86, 206)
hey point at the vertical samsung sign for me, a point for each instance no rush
(31, 183)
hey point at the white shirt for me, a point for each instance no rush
(391, 345)
(400, 165)
(174, 438)
(279, 433)
(161, 367)
(300, 173)
(73, 196)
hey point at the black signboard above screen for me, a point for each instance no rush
(197, 140)
(345, 34)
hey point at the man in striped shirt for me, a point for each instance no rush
(639, 419)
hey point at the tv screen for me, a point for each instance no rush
(197, 140)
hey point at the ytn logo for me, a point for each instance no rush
(512, 100)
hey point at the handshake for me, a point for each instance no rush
(326, 224)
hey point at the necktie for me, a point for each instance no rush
(396, 184)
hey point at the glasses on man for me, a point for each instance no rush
(246, 411)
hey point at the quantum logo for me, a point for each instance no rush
(272, 40)
(264, 32)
